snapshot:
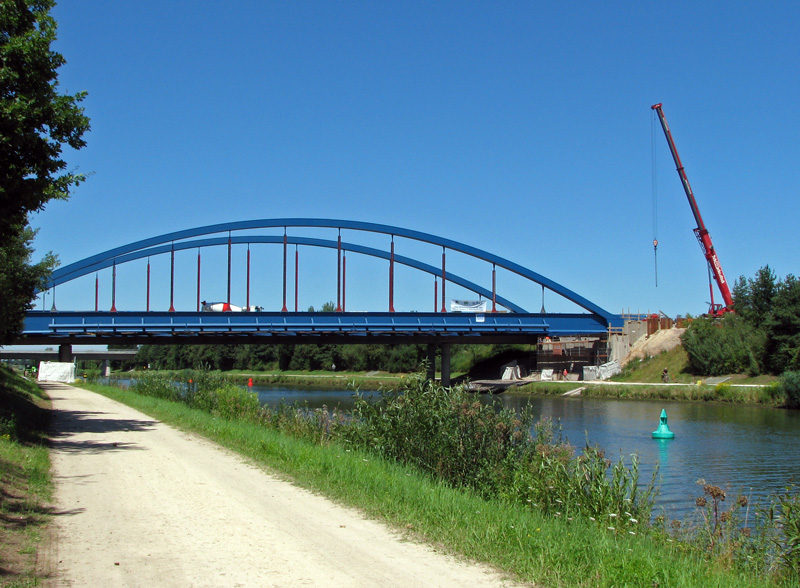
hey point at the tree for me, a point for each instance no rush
(771, 307)
(783, 327)
(36, 122)
(727, 345)
(18, 280)
(753, 301)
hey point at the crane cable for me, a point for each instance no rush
(654, 188)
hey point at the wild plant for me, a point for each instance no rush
(790, 383)
(445, 432)
(723, 391)
(736, 534)
(558, 482)
(207, 392)
(784, 516)
(157, 385)
(449, 434)
(772, 393)
(8, 427)
(319, 425)
(197, 387)
(234, 402)
(721, 529)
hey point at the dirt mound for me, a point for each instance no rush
(652, 345)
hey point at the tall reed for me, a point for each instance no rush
(450, 435)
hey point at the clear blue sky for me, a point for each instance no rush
(521, 128)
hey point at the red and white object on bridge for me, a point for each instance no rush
(228, 307)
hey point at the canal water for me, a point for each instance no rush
(749, 449)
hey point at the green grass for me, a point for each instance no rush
(321, 379)
(25, 482)
(649, 369)
(549, 551)
(676, 360)
(643, 379)
(769, 395)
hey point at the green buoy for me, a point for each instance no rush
(663, 431)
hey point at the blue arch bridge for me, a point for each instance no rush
(496, 320)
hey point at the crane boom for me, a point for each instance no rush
(700, 232)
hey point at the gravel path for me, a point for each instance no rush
(142, 504)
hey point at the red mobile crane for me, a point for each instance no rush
(700, 232)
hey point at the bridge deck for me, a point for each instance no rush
(276, 327)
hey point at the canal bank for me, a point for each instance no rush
(542, 550)
(320, 380)
(766, 393)
(746, 449)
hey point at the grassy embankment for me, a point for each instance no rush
(25, 482)
(641, 379)
(519, 540)
(321, 379)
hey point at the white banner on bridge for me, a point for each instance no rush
(468, 306)
(56, 371)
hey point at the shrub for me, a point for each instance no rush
(556, 481)
(444, 432)
(772, 393)
(790, 383)
(449, 434)
(8, 428)
(208, 392)
(723, 346)
(234, 402)
(788, 540)
(723, 391)
(157, 385)
(319, 425)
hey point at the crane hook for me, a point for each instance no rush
(655, 258)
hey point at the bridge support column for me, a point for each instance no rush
(105, 370)
(446, 365)
(65, 353)
(431, 362)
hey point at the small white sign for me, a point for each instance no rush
(479, 318)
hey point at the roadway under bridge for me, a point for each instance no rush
(78, 354)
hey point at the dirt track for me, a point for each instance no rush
(142, 504)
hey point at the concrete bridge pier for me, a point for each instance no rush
(446, 365)
(431, 357)
(105, 370)
(65, 353)
(431, 360)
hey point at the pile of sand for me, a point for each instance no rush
(652, 345)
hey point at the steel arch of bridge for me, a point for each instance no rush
(188, 239)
